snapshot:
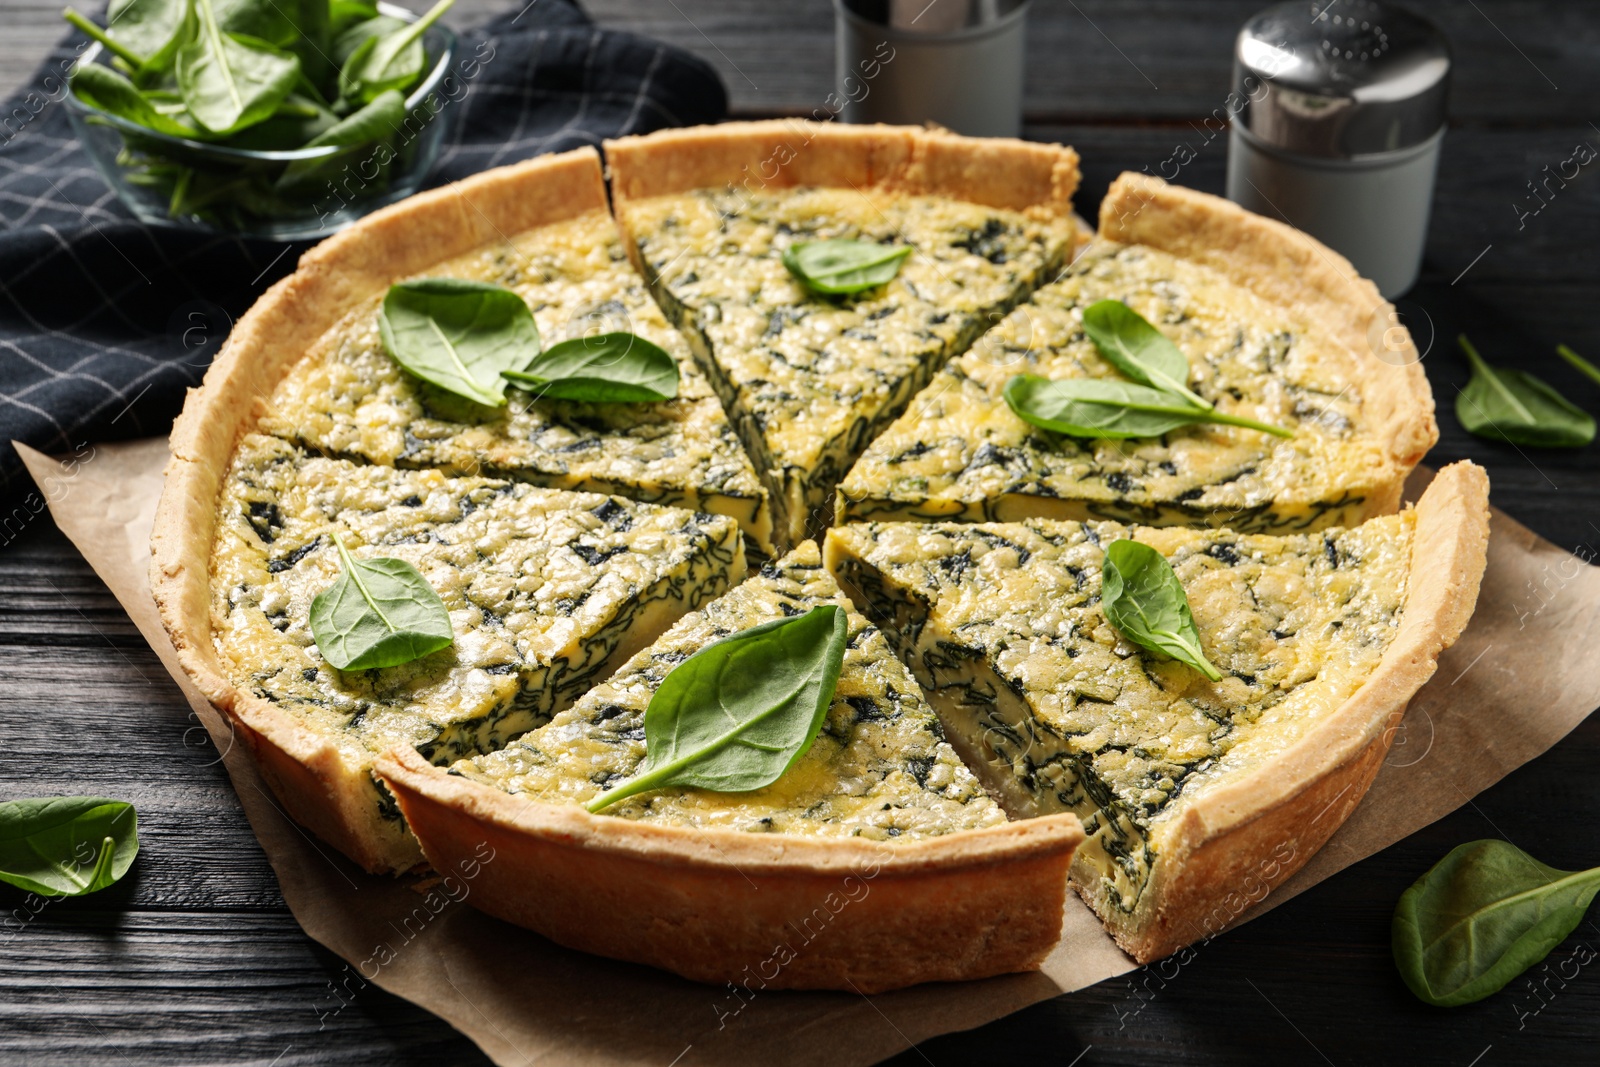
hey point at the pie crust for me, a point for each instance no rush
(1036, 180)
(782, 911)
(708, 904)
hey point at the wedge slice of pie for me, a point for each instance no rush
(877, 860)
(1186, 787)
(1276, 327)
(809, 379)
(347, 397)
(547, 592)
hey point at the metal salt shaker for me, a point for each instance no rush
(1338, 133)
(957, 63)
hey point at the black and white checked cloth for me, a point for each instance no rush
(104, 321)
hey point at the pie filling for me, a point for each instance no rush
(960, 453)
(349, 398)
(810, 380)
(1002, 625)
(880, 769)
(547, 592)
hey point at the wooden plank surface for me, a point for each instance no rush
(194, 959)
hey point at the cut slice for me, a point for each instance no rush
(876, 860)
(348, 398)
(880, 769)
(547, 592)
(810, 379)
(1276, 328)
(1187, 788)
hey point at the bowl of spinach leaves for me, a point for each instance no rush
(282, 119)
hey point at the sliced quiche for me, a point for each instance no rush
(1186, 786)
(879, 838)
(547, 592)
(809, 379)
(927, 832)
(1275, 327)
(347, 397)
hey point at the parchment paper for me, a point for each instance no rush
(1519, 680)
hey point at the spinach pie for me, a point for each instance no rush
(462, 494)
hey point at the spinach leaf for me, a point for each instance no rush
(1128, 341)
(1110, 409)
(1481, 916)
(352, 37)
(66, 846)
(230, 81)
(298, 120)
(1583, 366)
(380, 613)
(1511, 406)
(394, 60)
(152, 28)
(272, 21)
(737, 714)
(459, 335)
(843, 267)
(133, 59)
(103, 88)
(1143, 598)
(377, 122)
(343, 14)
(617, 368)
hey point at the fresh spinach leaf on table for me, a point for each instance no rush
(459, 335)
(1515, 407)
(1142, 597)
(610, 368)
(844, 267)
(66, 846)
(739, 713)
(1480, 917)
(1581, 365)
(381, 612)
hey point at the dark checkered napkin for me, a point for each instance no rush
(104, 321)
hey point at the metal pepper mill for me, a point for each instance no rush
(1338, 131)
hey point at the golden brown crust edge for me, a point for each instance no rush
(1238, 842)
(308, 774)
(1034, 179)
(784, 912)
(1295, 271)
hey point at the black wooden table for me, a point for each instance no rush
(194, 959)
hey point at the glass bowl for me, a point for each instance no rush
(174, 181)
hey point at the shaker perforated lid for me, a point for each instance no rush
(1338, 79)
